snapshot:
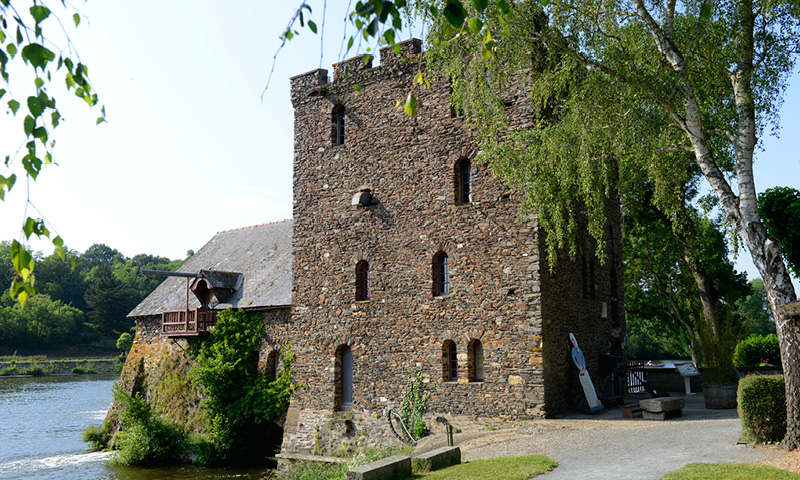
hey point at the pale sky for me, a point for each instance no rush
(189, 148)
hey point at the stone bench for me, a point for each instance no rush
(662, 408)
(387, 468)
(436, 459)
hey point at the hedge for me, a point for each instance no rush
(762, 407)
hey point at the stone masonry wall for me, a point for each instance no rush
(497, 292)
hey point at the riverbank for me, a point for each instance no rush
(76, 366)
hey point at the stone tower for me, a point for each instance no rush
(409, 254)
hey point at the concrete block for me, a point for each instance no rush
(662, 404)
(439, 458)
(387, 468)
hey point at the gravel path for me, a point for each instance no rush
(606, 446)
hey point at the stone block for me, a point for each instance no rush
(439, 458)
(662, 404)
(661, 415)
(387, 468)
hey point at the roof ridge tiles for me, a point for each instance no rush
(255, 226)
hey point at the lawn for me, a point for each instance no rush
(513, 468)
(729, 471)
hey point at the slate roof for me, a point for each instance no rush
(263, 253)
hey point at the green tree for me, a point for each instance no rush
(108, 301)
(26, 51)
(754, 308)
(57, 278)
(43, 324)
(780, 209)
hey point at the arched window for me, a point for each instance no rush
(475, 361)
(337, 125)
(441, 275)
(463, 181)
(362, 281)
(344, 378)
(449, 361)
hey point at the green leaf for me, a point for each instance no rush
(35, 106)
(372, 28)
(12, 50)
(454, 13)
(480, 5)
(39, 13)
(705, 10)
(14, 106)
(475, 25)
(38, 82)
(411, 105)
(55, 117)
(100, 120)
(37, 55)
(76, 18)
(2, 92)
(434, 11)
(388, 35)
(312, 26)
(357, 87)
(350, 44)
(28, 124)
(504, 7)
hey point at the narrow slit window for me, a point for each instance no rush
(362, 281)
(337, 134)
(463, 181)
(344, 378)
(441, 275)
(475, 361)
(449, 361)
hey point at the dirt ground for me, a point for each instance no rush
(780, 458)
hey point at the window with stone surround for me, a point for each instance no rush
(462, 176)
(475, 361)
(449, 361)
(441, 275)
(337, 125)
(343, 371)
(362, 281)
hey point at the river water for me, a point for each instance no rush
(41, 421)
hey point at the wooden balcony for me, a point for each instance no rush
(188, 323)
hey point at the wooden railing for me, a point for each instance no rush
(196, 321)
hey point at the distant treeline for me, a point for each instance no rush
(80, 306)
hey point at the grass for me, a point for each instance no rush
(512, 468)
(23, 359)
(729, 471)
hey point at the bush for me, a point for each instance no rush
(35, 370)
(752, 351)
(762, 407)
(145, 437)
(97, 436)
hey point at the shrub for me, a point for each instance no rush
(145, 437)
(413, 406)
(97, 436)
(10, 370)
(35, 370)
(762, 407)
(752, 351)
